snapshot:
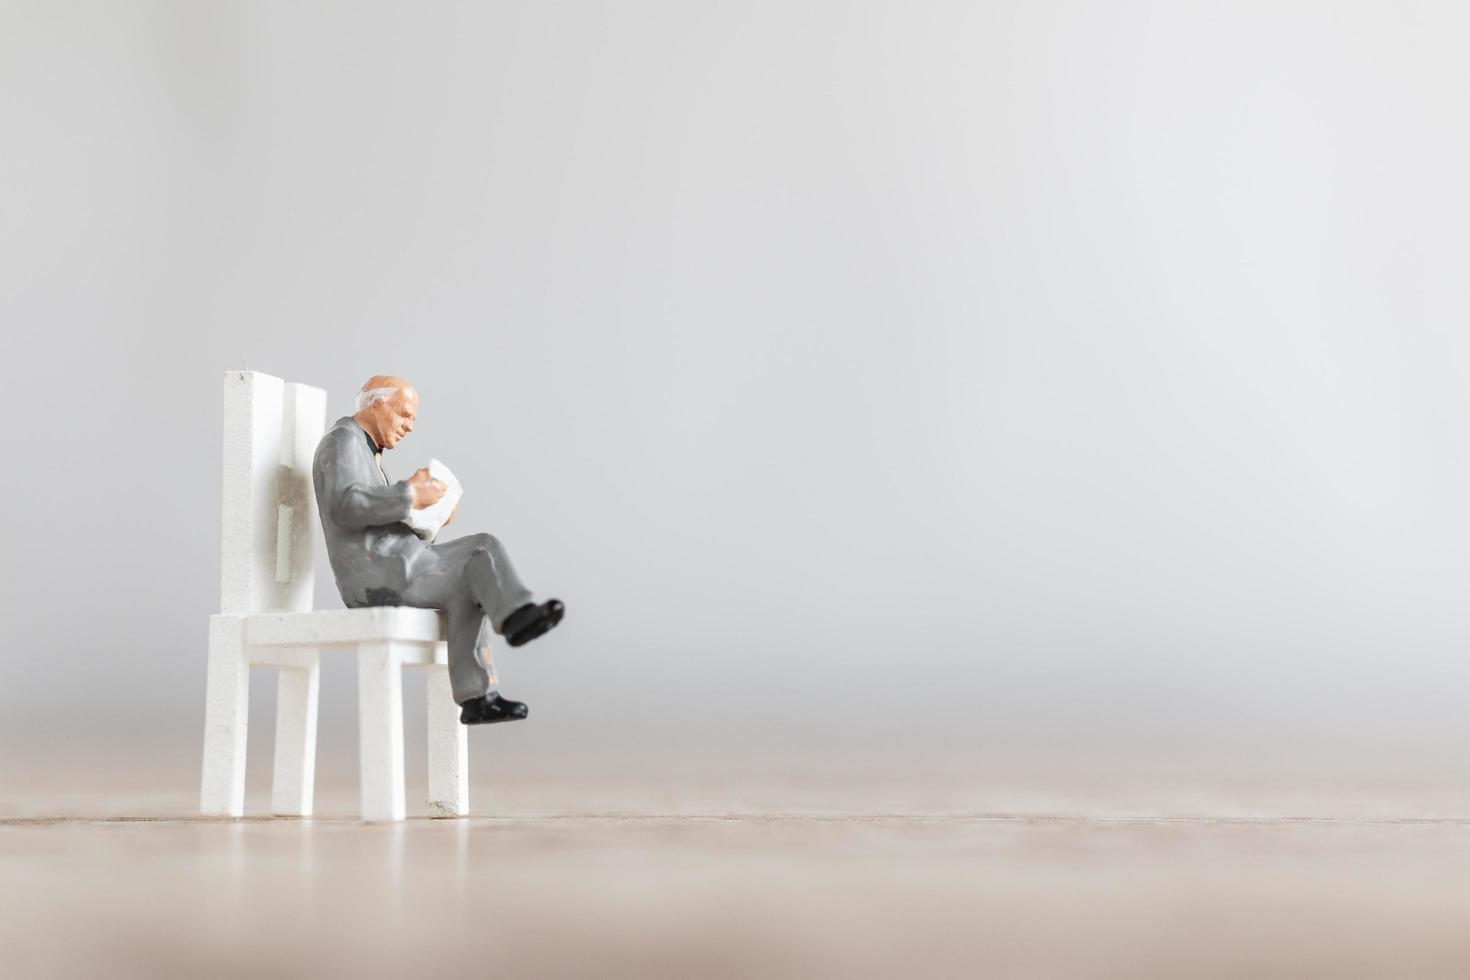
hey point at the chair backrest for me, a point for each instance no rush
(269, 525)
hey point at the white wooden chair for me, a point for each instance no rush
(267, 546)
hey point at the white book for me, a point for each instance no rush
(427, 521)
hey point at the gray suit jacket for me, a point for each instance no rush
(372, 554)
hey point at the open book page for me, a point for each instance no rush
(427, 521)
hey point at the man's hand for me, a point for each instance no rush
(426, 489)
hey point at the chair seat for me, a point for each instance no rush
(345, 627)
(384, 640)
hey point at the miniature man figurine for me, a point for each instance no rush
(379, 561)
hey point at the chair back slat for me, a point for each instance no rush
(269, 523)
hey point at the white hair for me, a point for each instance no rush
(370, 395)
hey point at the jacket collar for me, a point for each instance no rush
(372, 443)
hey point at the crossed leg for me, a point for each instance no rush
(474, 582)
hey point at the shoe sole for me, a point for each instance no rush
(493, 721)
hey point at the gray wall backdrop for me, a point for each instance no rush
(957, 381)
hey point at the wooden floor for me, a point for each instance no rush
(136, 887)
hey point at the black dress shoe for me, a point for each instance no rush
(531, 620)
(489, 709)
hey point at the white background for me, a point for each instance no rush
(881, 385)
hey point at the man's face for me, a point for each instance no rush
(395, 415)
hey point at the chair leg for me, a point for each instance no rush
(294, 777)
(380, 731)
(449, 783)
(226, 717)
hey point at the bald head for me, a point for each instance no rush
(387, 406)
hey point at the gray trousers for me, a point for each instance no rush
(473, 581)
